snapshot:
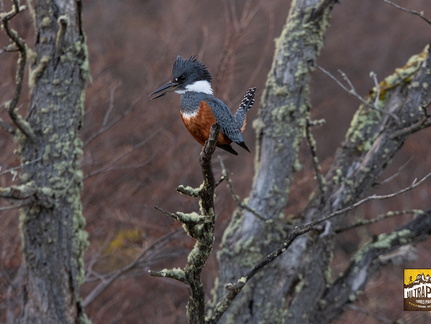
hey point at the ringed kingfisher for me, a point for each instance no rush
(200, 109)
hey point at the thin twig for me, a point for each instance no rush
(235, 196)
(165, 212)
(111, 104)
(219, 181)
(378, 317)
(315, 160)
(373, 197)
(395, 175)
(419, 125)
(14, 169)
(413, 12)
(107, 280)
(110, 166)
(379, 218)
(107, 126)
(352, 91)
(7, 127)
(377, 87)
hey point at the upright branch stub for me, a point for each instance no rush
(201, 228)
(206, 194)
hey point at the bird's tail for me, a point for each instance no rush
(246, 103)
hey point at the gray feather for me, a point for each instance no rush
(225, 119)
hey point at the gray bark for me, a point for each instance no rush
(52, 223)
(296, 288)
(280, 129)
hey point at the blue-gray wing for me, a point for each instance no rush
(225, 119)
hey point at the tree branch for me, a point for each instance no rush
(314, 159)
(7, 127)
(236, 197)
(367, 150)
(108, 125)
(21, 192)
(364, 222)
(413, 12)
(200, 227)
(235, 289)
(352, 91)
(346, 288)
(11, 106)
(107, 280)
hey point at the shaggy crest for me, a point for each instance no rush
(181, 65)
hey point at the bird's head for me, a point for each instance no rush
(187, 75)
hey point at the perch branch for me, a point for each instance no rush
(200, 227)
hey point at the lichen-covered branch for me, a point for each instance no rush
(235, 288)
(368, 148)
(364, 263)
(42, 196)
(200, 226)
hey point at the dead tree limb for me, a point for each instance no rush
(11, 106)
(200, 226)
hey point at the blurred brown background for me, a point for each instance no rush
(137, 151)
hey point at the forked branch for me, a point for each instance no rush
(235, 288)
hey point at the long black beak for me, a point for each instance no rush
(168, 87)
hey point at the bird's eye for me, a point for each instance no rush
(182, 77)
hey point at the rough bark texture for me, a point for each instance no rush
(52, 224)
(371, 142)
(280, 128)
(201, 228)
(297, 287)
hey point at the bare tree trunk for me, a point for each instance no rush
(52, 223)
(280, 129)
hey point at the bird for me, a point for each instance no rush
(200, 109)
